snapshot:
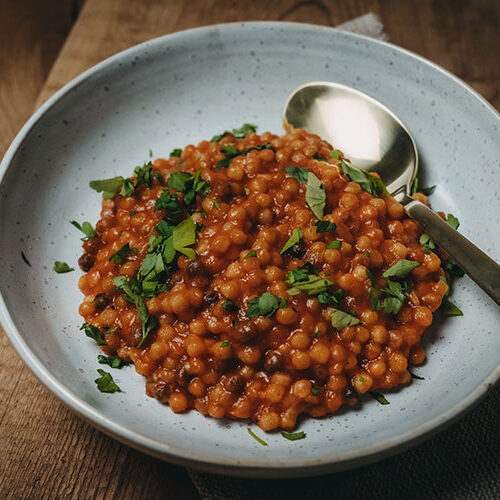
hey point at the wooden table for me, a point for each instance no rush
(46, 451)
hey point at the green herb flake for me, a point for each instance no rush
(176, 152)
(366, 253)
(244, 130)
(315, 195)
(265, 304)
(317, 335)
(454, 269)
(293, 436)
(108, 187)
(229, 305)
(252, 253)
(313, 285)
(105, 382)
(224, 343)
(317, 156)
(293, 240)
(380, 398)
(257, 438)
(368, 182)
(62, 267)
(336, 153)
(134, 212)
(230, 152)
(25, 259)
(86, 228)
(113, 361)
(216, 204)
(448, 308)
(452, 221)
(323, 226)
(314, 391)
(335, 244)
(95, 333)
(341, 319)
(120, 255)
(400, 269)
(298, 173)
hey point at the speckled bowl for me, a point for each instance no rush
(188, 86)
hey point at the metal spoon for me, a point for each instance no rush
(374, 138)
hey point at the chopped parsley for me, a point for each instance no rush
(448, 308)
(176, 152)
(113, 361)
(336, 153)
(105, 382)
(335, 244)
(368, 182)
(252, 253)
(216, 204)
(120, 255)
(108, 187)
(224, 343)
(238, 133)
(229, 305)
(317, 335)
(314, 391)
(341, 319)
(25, 259)
(323, 226)
(190, 185)
(134, 212)
(316, 156)
(95, 333)
(293, 436)
(293, 240)
(424, 190)
(380, 398)
(297, 173)
(257, 438)
(231, 152)
(86, 228)
(265, 304)
(62, 267)
(315, 195)
(400, 269)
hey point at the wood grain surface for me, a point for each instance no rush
(46, 451)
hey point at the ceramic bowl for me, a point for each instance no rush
(185, 87)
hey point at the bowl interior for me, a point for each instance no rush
(181, 89)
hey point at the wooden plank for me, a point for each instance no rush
(46, 451)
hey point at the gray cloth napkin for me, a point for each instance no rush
(460, 463)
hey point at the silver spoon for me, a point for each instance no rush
(374, 138)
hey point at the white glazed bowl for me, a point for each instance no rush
(188, 86)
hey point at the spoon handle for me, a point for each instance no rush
(481, 268)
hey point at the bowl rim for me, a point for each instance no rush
(253, 467)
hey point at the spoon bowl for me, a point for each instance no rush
(375, 139)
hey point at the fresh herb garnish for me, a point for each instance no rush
(238, 133)
(380, 398)
(190, 185)
(315, 195)
(176, 152)
(448, 308)
(25, 259)
(231, 152)
(257, 438)
(294, 239)
(134, 212)
(108, 187)
(120, 255)
(341, 319)
(95, 333)
(252, 253)
(170, 203)
(454, 269)
(335, 154)
(216, 204)
(314, 391)
(86, 228)
(317, 335)
(224, 343)
(335, 244)
(265, 304)
(313, 285)
(131, 289)
(229, 305)
(424, 190)
(412, 375)
(62, 267)
(400, 269)
(316, 156)
(105, 382)
(113, 361)
(324, 226)
(297, 173)
(293, 436)
(452, 221)
(368, 182)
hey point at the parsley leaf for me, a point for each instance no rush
(252, 253)
(131, 294)
(108, 187)
(452, 221)
(238, 133)
(176, 152)
(313, 285)
(331, 298)
(120, 255)
(145, 175)
(229, 305)
(316, 156)
(314, 391)
(336, 153)
(293, 436)
(400, 269)
(95, 334)
(183, 236)
(301, 273)
(341, 319)
(454, 269)
(335, 244)
(86, 228)
(448, 308)
(298, 173)
(380, 398)
(315, 195)
(293, 240)
(257, 438)
(62, 267)
(424, 190)
(105, 382)
(169, 202)
(231, 152)
(113, 361)
(323, 226)
(265, 304)
(368, 182)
